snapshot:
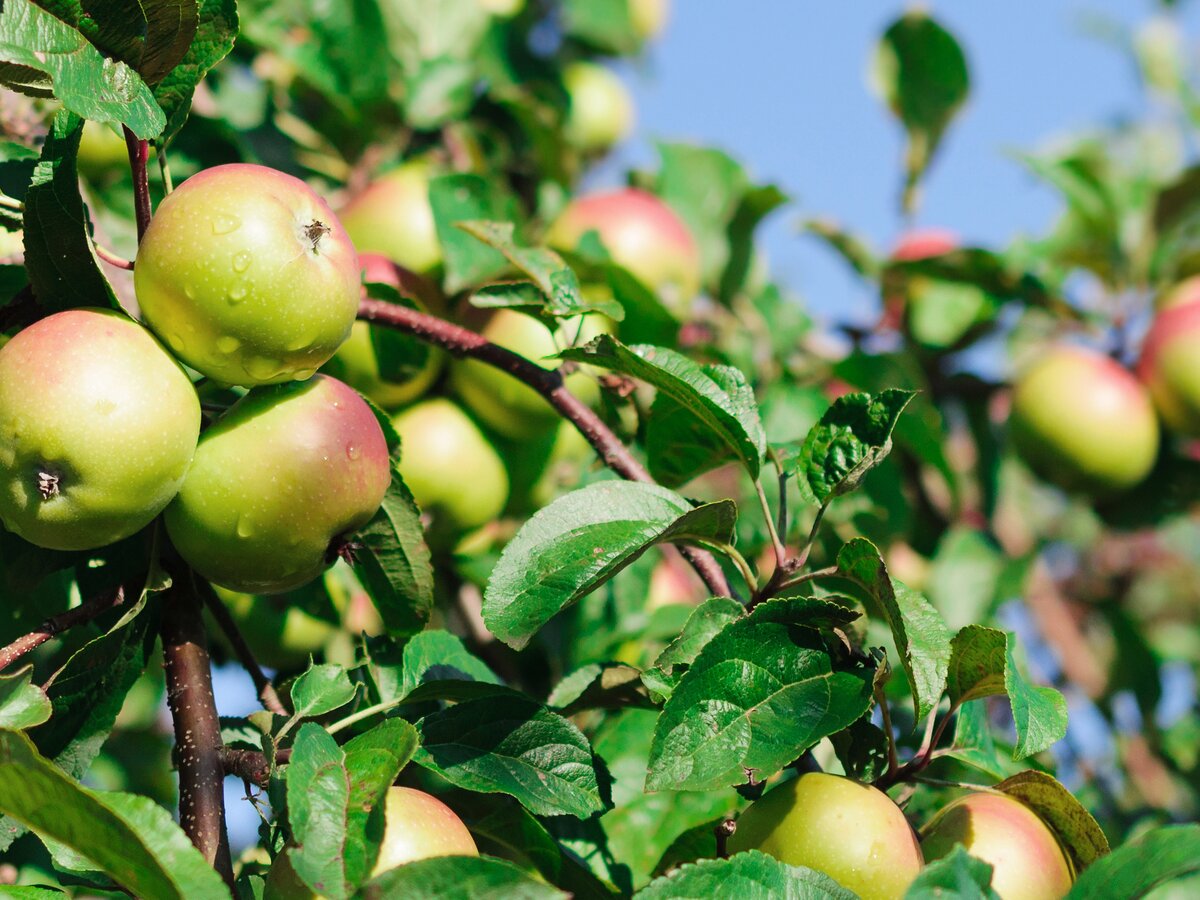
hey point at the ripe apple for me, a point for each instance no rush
(643, 235)
(286, 473)
(649, 17)
(1179, 294)
(852, 832)
(393, 218)
(506, 404)
(600, 112)
(281, 635)
(98, 425)
(1170, 367)
(454, 473)
(1027, 861)
(1083, 422)
(247, 276)
(355, 361)
(923, 243)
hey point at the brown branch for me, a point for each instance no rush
(262, 684)
(139, 156)
(198, 742)
(85, 612)
(547, 382)
(251, 765)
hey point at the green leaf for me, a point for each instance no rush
(921, 636)
(724, 402)
(22, 704)
(581, 540)
(321, 689)
(1138, 867)
(439, 91)
(973, 743)
(394, 563)
(40, 55)
(129, 838)
(460, 878)
(760, 693)
(853, 437)
(509, 744)
(63, 269)
(440, 656)
(335, 798)
(705, 623)
(1076, 829)
(216, 29)
(958, 876)
(978, 663)
(599, 686)
(460, 198)
(604, 24)
(748, 876)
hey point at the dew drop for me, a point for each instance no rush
(189, 292)
(300, 343)
(305, 374)
(245, 527)
(353, 451)
(262, 367)
(241, 261)
(237, 294)
(228, 344)
(224, 224)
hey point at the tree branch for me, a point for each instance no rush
(547, 382)
(262, 684)
(139, 156)
(251, 765)
(85, 612)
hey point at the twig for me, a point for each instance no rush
(113, 259)
(139, 156)
(198, 745)
(11, 203)
(85, 612)
(889, 732)
(812, 534)
(548, 383)
(769, 518)
(809, 576)
(262, 684)
(251, 765)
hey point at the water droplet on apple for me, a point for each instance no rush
(245, 528)
(262, 368)
(237, 294)
(228, 344)
(353, 451)
(305, 374)
(224, 224)
(241, 261)
(189, 292)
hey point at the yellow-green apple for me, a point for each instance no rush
(649, 17)
(600, 111)
(98, 425)
(248, 276)
(102, 152)
(392, 217)
(1084, 422)
(278, 482)
(1170, 367)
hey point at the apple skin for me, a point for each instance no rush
(247, 275)
(649, 17)
(1027, 861)
(451, 468)
(355, 362)
(925, 243)
(280, 636)
(285, 473)
(852, 832)
(90, 397)
(1083, 422)
(392, 217)
(1179, 294)
(600, 113)
(643, 235)
(1170, 367)
(102, 152)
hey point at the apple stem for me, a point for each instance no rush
(139, 155)
(55, 625)
(723, 832)
(314, 231)
(547, 382)
(262, 684)
(47, 485)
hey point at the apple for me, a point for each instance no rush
(569, 454)
(674, 582)
(600, 111)
(247, 276)
(453, 471)
(355, 361)
(852, 832)
(643, 235)
(1170, 367)
(505, 403)
(281, 635)
(649, 17)
(502, 9)
(924, 243)
(1027, 861)
(98, 425)
(102, 152)
(277, 482)
(393, 218)
(1179, 294)
(1084, 422)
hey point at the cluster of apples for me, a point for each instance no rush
(248, 278)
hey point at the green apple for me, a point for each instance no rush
(643, 235)
(98, 425)
(277, 483)
(600, 111)
(502, 9)
(852, 832)
(1170, 367)
(568, 456)
(247, 276)
(454, 473)
(356, 362)
(649, 17)
(281, 635)
(1084, 422)
(392, 217)
(102, 152)
(1027, 861)
(505, 403)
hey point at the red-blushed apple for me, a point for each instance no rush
(98, 425)
(452, 469)
(247, 275)
(649, 17)
(392, 217)
(643, 235)
(852, 832)
(1170, 367)
(356, 362)
(1084, 422)
(1027, 861)
(277, 482)
(924, 243)
(1179, 294)
(600, 113)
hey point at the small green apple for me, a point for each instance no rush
(600, 113)
(281, 635)
(247, 276)
(1083, 422)
(649, 17)
(392, 217)
(1170, 367)
(98, 425)
(277, 482)
(1027, 861)
(102, 152)
(852, 832)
